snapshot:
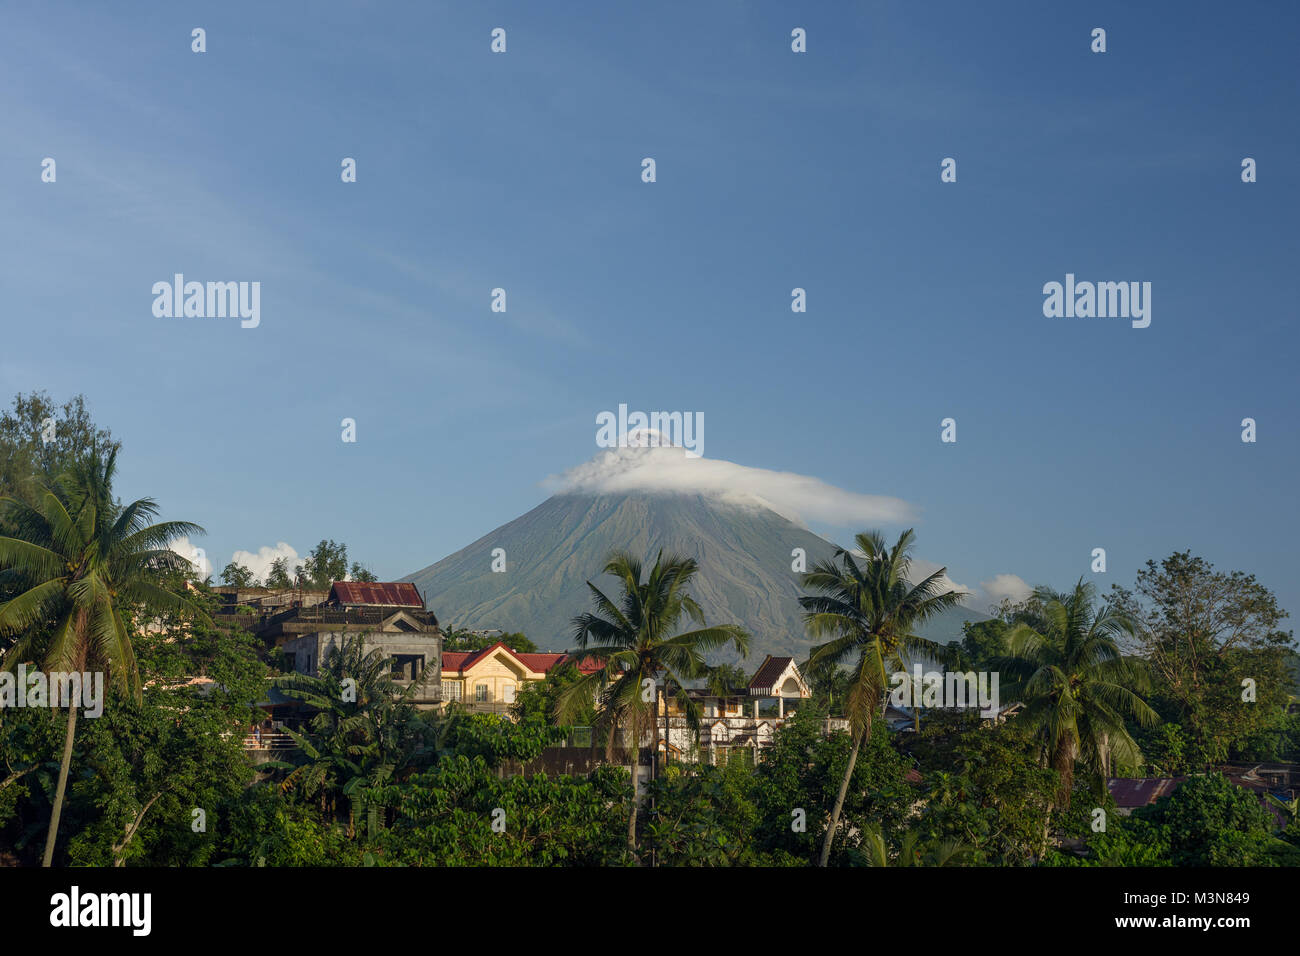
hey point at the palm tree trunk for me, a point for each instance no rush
(655, 763)
(839, 800)
(1063, 764)
(62, 787)
(636, 795)
(1047, 830)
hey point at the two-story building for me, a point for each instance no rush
(739, 725)
(488, 680)
(388, 617)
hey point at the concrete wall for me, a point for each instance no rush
(310, 650)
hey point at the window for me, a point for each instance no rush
(451, 690)
(480, 693)
(407, 666)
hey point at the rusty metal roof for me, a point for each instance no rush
(1141, 791)
(382, 594)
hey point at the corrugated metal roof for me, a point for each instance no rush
(382, 594)
(1141, 791)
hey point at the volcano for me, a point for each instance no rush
(744, 550)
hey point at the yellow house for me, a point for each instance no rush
(487, 681)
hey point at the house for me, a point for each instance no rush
(387, 616)
(488, 680)
(1280, 780)
(1131, 793)
(739, 725)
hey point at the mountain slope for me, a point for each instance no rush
(744, 552)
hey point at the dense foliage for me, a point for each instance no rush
(1175, 677)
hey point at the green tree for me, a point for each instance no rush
(985, 788)
(1203, 631)
(868, 608)
(325, 564)
(237, 576)
(84, 560)
(982, 641)
(277, 576)
(150, 764)
(912, 850)
(633, 639)
(1207, 821)
(726, 680)
(365, 729)
(1076, 686)
(361, 573)
(458, 640)
(40, 440)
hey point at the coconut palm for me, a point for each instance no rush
(82, 562)
(642, 659)
(911, 850)
(1076, 686)
(867, 606)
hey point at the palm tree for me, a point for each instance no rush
(362, 734)
(83, 562)
(1076, 686)
(633, 640)
(911, 851)
(867, 607)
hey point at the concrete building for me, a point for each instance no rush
(389, 617)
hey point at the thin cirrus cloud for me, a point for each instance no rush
(668, 470)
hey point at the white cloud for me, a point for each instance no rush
(1006, 586)
(670, 470)
(260, 563)
(194, 555)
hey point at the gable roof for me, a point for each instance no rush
(1141, 791)
(377, 593)
(461, 661)
(768, 673)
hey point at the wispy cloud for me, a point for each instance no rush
(796, 497)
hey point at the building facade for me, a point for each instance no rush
(388, 617)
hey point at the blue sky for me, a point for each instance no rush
(775, 170)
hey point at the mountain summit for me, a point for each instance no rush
(744, 550)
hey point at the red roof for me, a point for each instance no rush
(541, 663)
(768, 673)
(397, 594)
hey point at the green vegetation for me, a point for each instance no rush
(1175, 677)
(868, 609)
(642, 660)
(325, 564)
